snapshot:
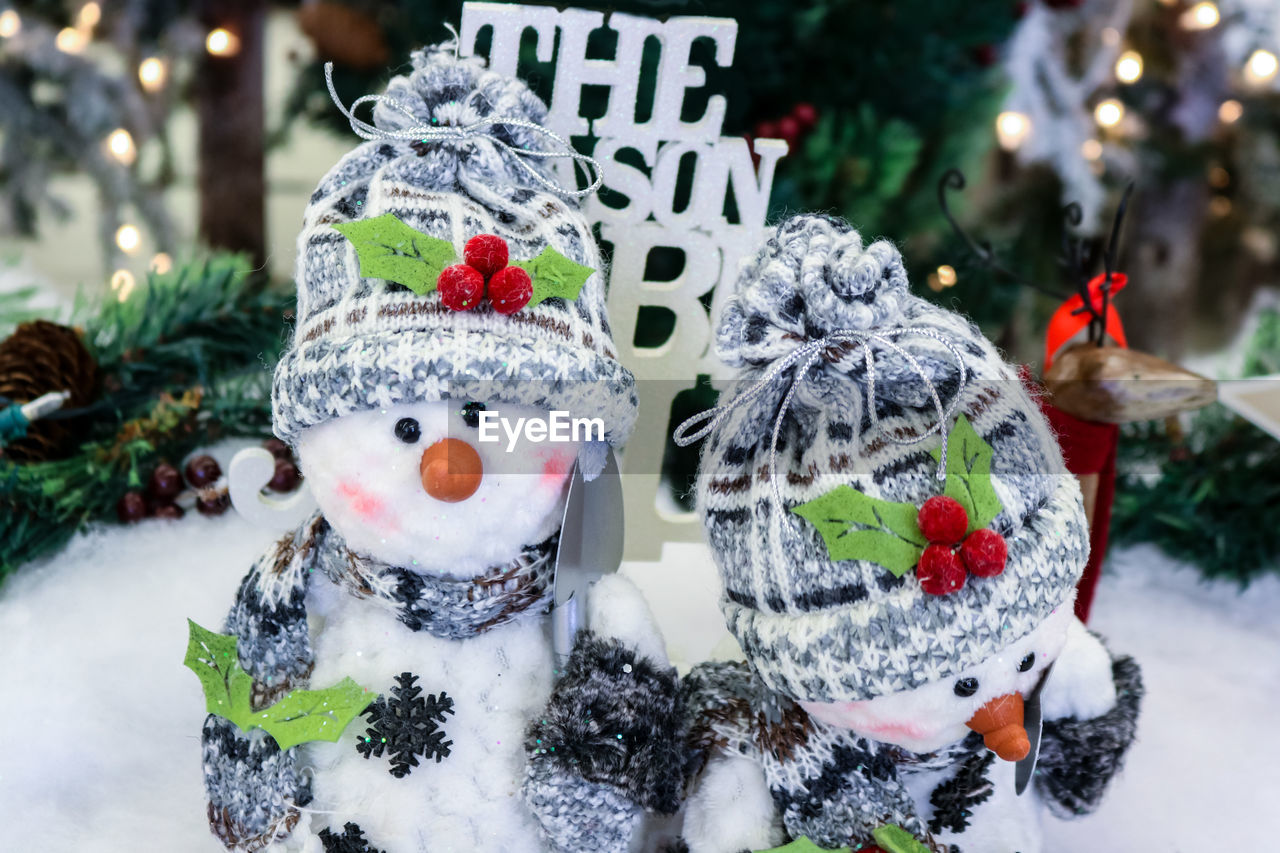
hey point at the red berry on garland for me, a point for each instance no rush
(942, 520)
(1062, 4)
(131, 508)
(461, 287)
(203, 471)
(767, 130)
(486, 252)
(1020, 9)
(167, 510)
(165, 482)
(940, 571)
(984, 553)
(510, 289)
(985, 55)
(216, 505)
(286, 478)
(806, 114)
(278, 448)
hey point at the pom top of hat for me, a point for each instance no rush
(814, 276)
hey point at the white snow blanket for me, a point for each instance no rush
(101, 722)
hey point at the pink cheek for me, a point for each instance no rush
(554, 470)
(366, 506)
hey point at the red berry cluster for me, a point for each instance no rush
(462, 286)
(793, 127)
(951, 555)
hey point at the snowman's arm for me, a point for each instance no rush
(253, 787)
(730, 808)
(607, 746)
(1091, 717)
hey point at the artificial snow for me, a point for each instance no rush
(102, 722)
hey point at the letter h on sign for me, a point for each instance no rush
(673, 149)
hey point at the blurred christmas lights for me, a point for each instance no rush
(221, 42)
(10, 23)
(128, 238)
(151, 74)
(1108, 113)
(120, 144)
(1129, 67)
(1261, 67)
(1012, 128)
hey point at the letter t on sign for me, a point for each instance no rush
(509, 21)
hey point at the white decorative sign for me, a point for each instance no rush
(712, 245)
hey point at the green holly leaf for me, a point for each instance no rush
(301, 716)
(554, 275)
(857, 527)
(895, 839)
(227, 687)
(969, 474)
(804, 845)
(306, 715)
(391, 250)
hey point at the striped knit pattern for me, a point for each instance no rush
(253, 787)
(828, 784)
(822, 630)
(364, 343)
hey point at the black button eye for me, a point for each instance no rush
(966, 687)
(471, 414)
(408, 431)
(1027, 662)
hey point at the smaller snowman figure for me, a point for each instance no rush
(451, 368)
(899, 544)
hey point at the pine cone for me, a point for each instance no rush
(344, 35)
(37, 358)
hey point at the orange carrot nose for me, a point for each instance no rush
(1000, 724)
(451, 470)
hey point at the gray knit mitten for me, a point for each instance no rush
(607, 748)
(253, 787)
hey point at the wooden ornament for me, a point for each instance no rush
(1116, 385)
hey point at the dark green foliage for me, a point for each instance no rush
(899, 102)
(1213, 499)
(187, 360)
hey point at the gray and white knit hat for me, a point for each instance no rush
(363, 343)
(806, 310)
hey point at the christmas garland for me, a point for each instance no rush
(181, 362)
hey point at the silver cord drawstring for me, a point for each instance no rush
(476, 131)
(812, 353)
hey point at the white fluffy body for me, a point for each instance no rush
(731, 809)
(499, 681)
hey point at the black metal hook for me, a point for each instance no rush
(1073, 259)
(953, 179)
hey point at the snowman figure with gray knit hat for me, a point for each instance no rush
(899, 544)
(445, 280)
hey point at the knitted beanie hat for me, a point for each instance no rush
(821, 558)
(368, 341)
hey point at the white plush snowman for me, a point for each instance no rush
(899, 544)
(448, 293)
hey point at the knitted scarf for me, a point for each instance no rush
(451, 608)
